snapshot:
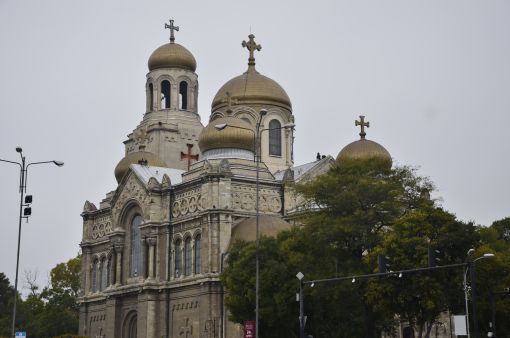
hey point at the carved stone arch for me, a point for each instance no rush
(129, 325)
(216, 115)
(246, 113)
(130, 207)
(161, 91)
(163, 77)
(187, 235)
(196, 233)
(185, 78)
(177, 237)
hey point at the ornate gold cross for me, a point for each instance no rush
(172, 29)
(363, 124)
(252, 46)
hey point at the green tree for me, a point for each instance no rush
(356, 204)
(493, 275)
(6, 298)
(277, 307)
(420, 298)
(60, 315)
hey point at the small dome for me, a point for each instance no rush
(137, 157)
(172, 55)
(252, 87)
(269, 226)
(363, 149)
(233, 133)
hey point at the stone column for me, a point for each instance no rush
(151, 316)
(151, 242)
(86, 269)
(118, 264)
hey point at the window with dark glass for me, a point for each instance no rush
(94, 276)
(136, 247)
(187, 256)
(178, 258)
(165, 94)
(183, 95)
(275, 138)
(104, 275)
(198, 257)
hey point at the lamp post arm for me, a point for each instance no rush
(11, 162)
(57, 163)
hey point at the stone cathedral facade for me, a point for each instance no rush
(154, 248)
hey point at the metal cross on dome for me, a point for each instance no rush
(252, 46)
(172, 29)
(363, 124)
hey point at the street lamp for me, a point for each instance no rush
(471, 267)
(302, 319)
(24, 202)
(258, 155)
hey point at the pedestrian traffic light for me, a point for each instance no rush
(433, 259)
(384, 263)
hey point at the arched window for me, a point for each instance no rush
(109, 271)
(198, 257)
(104, 275)
(178, 258)
(275, 138)
(187, 256)
(150, 97)
(183, 95)
(136, 247)
(165, 94)
(94, 275)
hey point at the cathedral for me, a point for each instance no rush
(154, 248)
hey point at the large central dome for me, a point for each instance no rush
(252, 87)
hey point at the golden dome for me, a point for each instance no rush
(252, 87)
(137, 157)
(237, 134)
(269, 226)
(363, 149)
(172, 55)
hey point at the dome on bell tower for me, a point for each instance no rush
(172, 55)
(363, 149)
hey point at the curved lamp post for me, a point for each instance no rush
(471, 267)
(24, 202)
(257, 133)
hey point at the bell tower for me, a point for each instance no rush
(171, 124)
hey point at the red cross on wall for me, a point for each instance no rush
(188, 156)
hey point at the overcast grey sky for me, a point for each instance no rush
(432, 77)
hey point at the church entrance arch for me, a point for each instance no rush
(130, 325)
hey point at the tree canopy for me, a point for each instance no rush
(358, 211)
(51, 312)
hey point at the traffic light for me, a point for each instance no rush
(433, 259)
(28, 210)
(384, 263)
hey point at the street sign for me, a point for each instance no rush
(249, 329)
(20, 334)
(459, 323)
